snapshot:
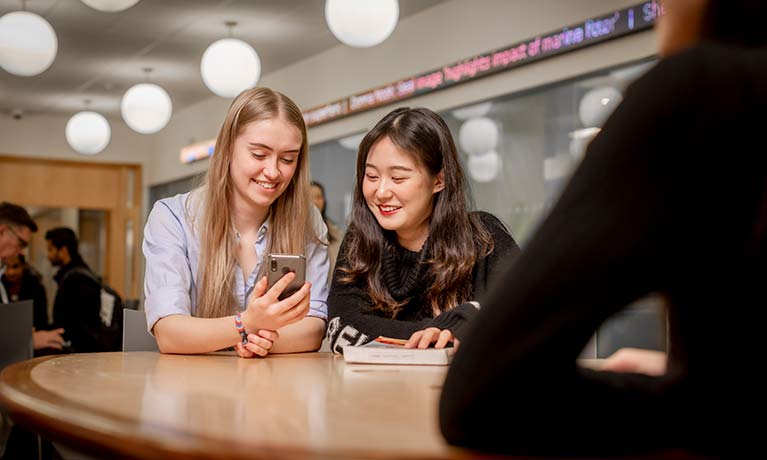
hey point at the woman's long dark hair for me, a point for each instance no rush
(456, 237)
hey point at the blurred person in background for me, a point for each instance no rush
(335, 235)
(77, 305)
(22, 282)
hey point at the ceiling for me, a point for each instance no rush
(100, 55)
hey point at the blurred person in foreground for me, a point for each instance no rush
(679, 154)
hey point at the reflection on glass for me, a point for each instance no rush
(518, 150)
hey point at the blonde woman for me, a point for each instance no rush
(205, 250)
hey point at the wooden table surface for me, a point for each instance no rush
(149, 405)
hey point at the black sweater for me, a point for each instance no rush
(671, 197)
(353, 321)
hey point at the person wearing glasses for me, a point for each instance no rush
(16, 228)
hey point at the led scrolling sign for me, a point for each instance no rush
(589, 32)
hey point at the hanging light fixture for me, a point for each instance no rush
(230, 66)
(485, 167)
(597, 105)
(478, 135)
(28, 43)
(146, 107)
(88, 132)
(110, 6)
(361, 24)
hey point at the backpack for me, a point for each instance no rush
(108, 334)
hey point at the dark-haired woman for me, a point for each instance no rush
(415, 261)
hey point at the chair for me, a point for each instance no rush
(642, 325)
(15, 332)
(15, 345)
(135, 335)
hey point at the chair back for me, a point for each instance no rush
(642, 325)
(135, 335)
(15, 332)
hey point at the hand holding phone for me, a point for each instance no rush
(278, 265)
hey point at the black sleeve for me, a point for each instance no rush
(351, 322)
(597, 251)
(40, 302)
(505, 251)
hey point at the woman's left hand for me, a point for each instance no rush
(258, 344)
(424, 338)
(637, 361)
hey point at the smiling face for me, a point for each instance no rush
(399, 193)
(264, 160)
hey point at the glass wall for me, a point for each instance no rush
(518, 150)
(168, 189)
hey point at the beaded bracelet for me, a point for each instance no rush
(241, 329)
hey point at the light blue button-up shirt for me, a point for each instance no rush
(172, 253)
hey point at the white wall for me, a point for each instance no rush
(437, 36)
(42, 136)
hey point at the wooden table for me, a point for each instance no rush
(149, 405)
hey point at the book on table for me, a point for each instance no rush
(385, 350)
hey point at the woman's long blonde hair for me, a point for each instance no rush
(291, 224)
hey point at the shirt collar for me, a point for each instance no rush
(262, 230)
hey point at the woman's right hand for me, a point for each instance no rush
(431, 335)
(48, 339)
(266, 311)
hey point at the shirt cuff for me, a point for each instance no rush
(168, 303)
(318, 309)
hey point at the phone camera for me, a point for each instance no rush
(274, 265)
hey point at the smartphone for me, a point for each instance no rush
(278, 265)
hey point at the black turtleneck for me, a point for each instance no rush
(406, 277)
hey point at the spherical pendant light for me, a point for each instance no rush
(230, 66)
(28, 43)
(597, 105)
(362, 24)
(146, 108)
(485, 167)
(110, 6)
(88, 132)
(478, 135)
